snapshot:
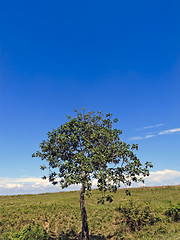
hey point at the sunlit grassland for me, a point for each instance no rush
(59, 213)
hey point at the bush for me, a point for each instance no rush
(174, 212)
(136, 217)
(69, 235)
(28, 233)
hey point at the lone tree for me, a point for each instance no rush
(87, 147)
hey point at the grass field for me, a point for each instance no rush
(149, 213)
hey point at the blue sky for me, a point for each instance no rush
(117, 56)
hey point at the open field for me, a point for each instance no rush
(139, 216)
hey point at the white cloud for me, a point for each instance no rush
(174, 130)
(158, 178)
(13, 185)
(140, 138)
(153, 126)
(164, 177)
(29, 185)
(169, 131)
(10, 186)
(94, 183)
(33, 185)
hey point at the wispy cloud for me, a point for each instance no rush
(144, 137)
(174, 130)
(169, 131)
(152, 126)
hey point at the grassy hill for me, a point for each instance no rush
(149, 213)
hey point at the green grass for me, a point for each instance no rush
(139, 216)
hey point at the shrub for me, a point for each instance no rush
(174, 212)
(136, 217)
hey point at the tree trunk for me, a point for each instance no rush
(85, 230)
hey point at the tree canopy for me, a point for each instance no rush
(87, 147)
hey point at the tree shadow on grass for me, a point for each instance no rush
(91, 237)
(97, 237)
(71, 235)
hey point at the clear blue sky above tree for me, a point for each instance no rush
(121, 57)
